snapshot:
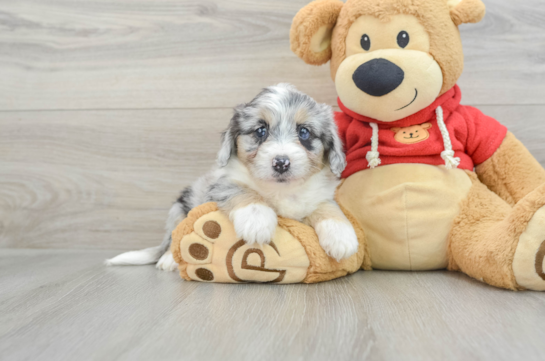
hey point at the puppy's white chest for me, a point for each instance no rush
(294, 206)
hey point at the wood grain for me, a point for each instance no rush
(140, 54)
(106, 179)
(65, 305)
(99, 179)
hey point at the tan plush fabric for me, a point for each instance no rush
(207, 248)
(406, 211)
(184, 228)
(529, 260)
(311, 31)
(445, 42)
(421, 72)
(323, 268)
(512, 172)
(468, 11)
(438, 17)
(486, 233)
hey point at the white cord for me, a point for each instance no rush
(448, 154)
(451, 162)
(373, 155)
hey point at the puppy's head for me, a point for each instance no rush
(283, 135)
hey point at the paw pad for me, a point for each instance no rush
(198, 251)
(204, 274)
(211, 229)
(540, 258)
(528, 266)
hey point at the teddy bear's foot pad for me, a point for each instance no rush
(529, 260)
(212, 252)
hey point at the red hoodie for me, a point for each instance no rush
(417, 139)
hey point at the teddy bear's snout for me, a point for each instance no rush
(378, 77)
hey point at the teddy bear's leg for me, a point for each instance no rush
(207, 248)
(512, 172)
(500, 244)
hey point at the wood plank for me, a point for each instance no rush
(105, 54)
(105, 179)
(76, 309)
(99, 179)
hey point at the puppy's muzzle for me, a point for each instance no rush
(281, 164)
(378, 77)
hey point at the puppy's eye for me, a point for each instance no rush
(403, 39)
(304, 133)
(261, 132)
(365, 42)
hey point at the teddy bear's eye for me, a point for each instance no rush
(365, 42)
(403, 39)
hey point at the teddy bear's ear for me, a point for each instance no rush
(311, 30)
(466, 11)
(395, 130)
(426, 125)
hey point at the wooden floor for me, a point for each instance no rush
(108, 108)
(64, 305)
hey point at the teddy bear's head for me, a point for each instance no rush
(389, 58)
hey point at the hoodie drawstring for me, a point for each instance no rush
(448, 154)
(373, 156)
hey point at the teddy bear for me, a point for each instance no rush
(429, 184)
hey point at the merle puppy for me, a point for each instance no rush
(280, 156)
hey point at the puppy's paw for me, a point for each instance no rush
(337, 238)
(255, 223)
(167, 262)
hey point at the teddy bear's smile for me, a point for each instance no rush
(415, 96)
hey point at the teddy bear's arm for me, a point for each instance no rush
(512, 172)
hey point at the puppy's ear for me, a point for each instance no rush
(311, 31)
(333, 145)
(466, 11)
(229, 137)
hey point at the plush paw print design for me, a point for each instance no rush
(529, 259)
(213, 252)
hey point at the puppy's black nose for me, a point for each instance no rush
(281, 164)
(378, 77)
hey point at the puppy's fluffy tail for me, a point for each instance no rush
(152, 254)
(137, 258)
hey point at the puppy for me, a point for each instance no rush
(280, 156)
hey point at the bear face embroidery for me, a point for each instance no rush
(413, 134)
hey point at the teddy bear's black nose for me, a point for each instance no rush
(378, 77)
